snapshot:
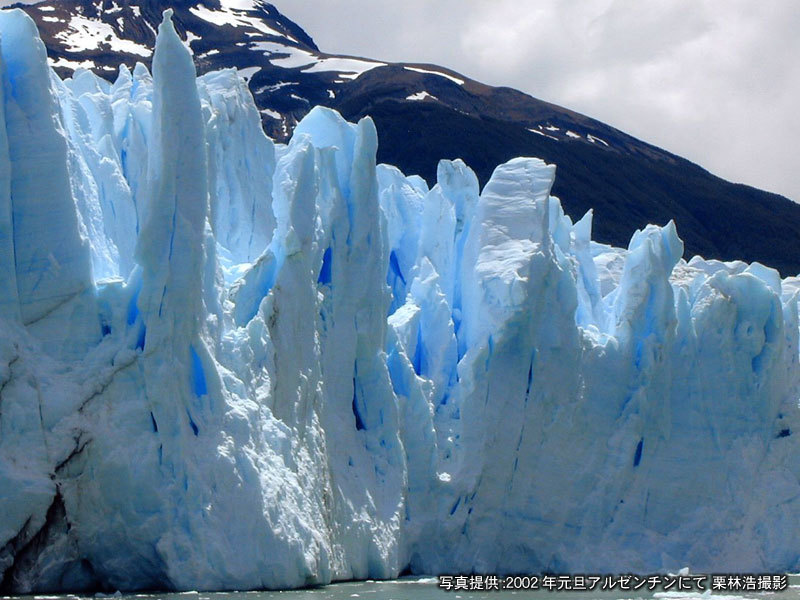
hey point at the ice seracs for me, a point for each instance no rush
(231, 364)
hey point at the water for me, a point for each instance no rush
(427, 589)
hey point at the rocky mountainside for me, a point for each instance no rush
(425, 113)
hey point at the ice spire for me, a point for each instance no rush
(9, 299)
(52, 262)
(169, 248)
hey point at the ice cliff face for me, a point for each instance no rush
(230, 364)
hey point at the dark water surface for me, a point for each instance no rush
(427, 589)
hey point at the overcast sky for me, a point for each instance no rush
(715, 81)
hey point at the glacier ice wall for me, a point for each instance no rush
(230, 364)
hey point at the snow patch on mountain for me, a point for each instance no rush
(88, 34)
(349, 68)
(439, 73)
(288, 57)
(63, 62)
(594, 139)
(538, 132)
(231, 15)
(248, 72)
(421, 96)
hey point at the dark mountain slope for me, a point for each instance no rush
(715, 218)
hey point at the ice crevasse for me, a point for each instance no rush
(232, 364)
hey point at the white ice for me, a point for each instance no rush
(232, 364)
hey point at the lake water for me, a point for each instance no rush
(428, 589)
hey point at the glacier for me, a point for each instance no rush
(227, 363)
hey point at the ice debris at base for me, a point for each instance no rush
(230, 364)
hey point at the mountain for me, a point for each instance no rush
(230, 364)
(424, 113)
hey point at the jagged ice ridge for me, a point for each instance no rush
(231, 364)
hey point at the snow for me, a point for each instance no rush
(421, 96)
(237, 7)
(349, 68)
(439, 73)
(227, 363)
(276, 86)
(536, 131)
(231, 15)
(191, 37)
(86, 34)
(71, 64)
(248, 72)
(594, 139)
(238, 4)
(217, 17)
(292, 57)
